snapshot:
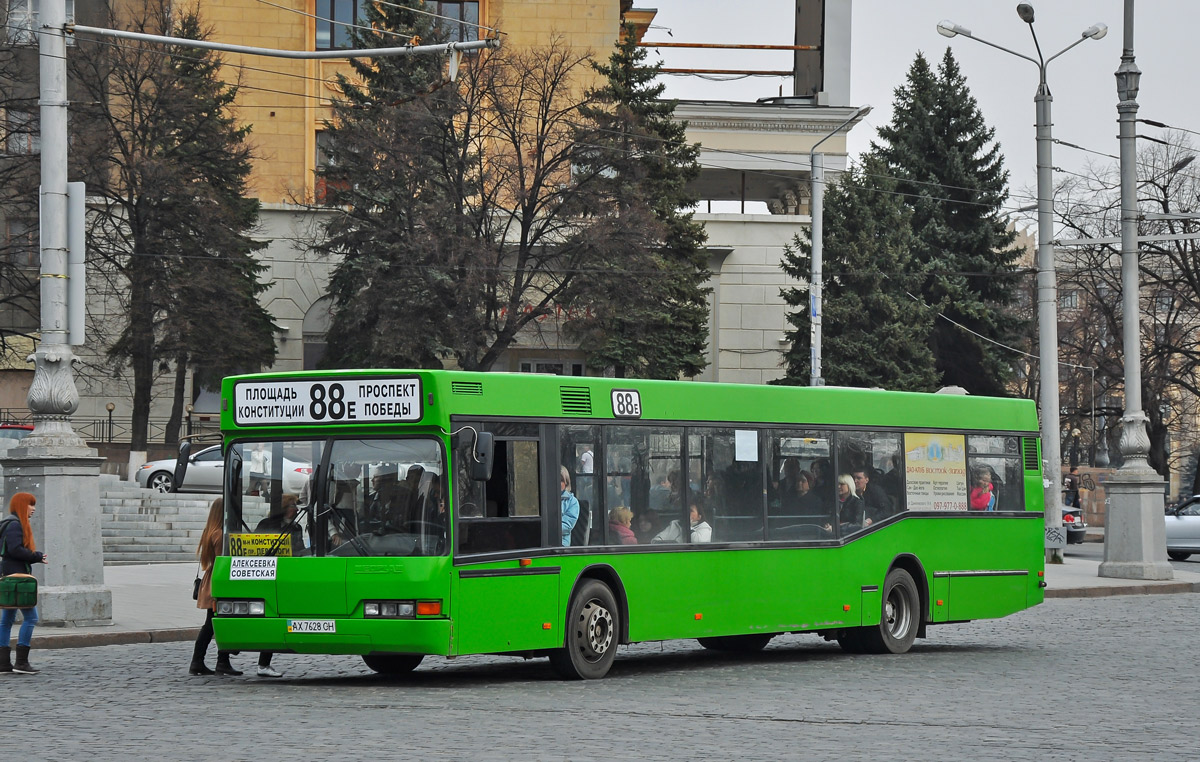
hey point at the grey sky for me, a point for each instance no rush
(887, 35)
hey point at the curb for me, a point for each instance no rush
(1104, 592)
(123, 638)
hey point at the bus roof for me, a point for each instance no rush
(462, 393)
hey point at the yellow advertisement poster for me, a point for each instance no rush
(935, 472)
(260, 545)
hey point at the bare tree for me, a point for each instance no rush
(1169, 298)
(19, 157)
(171, 230)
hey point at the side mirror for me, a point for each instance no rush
(181, 463)
(484, 455)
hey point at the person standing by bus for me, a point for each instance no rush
(570, 505)
(210, 546)
(18, 554)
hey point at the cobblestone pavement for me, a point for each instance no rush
(1095, 679)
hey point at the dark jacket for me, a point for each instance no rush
(18, 559)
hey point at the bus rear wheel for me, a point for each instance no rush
(737, 643)
(593, 629)
(899, 619)
(392, 664)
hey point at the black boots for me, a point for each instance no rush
(5, 659)
(22, 663)
(223, 665)
(198, 668)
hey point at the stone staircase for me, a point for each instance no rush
(143, 526)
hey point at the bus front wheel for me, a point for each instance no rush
(392, 664)
(593, 627)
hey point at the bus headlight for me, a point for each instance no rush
(236, 607)
(389, 609)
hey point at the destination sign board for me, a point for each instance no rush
(368, 400)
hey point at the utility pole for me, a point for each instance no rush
(1135, 541)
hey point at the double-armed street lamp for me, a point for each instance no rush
(1047, 285)
(816, 162)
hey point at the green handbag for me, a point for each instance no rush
(18, 591)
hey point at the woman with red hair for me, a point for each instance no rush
(18, 554)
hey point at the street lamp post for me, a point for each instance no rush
(1046, 278)
(817, 212)
(1135, 533)
(54, 462)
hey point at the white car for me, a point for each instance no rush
(206, 473)
(1183, 529)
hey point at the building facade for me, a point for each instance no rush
(754, 182)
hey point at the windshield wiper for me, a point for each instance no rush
(343, 529)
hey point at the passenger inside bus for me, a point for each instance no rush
(850, 510)
(877, 504)
(700, 529)
(282, 520)
(620, 530)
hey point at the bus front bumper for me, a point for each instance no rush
(333, 635)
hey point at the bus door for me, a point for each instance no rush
(506, 602)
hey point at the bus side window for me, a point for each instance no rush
(503, 513)
(804, 499)
(729, 475)
(998, 459)
(577, 454)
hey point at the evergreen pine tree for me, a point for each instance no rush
(388, 286)
(653, 323)
(874, 333)
(951, 174)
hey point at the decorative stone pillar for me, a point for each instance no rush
(57, 466)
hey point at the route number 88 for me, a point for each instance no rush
(321, 406)
(626, 403)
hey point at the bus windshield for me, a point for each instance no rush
(345, 497)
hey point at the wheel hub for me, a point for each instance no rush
(598, 629)
(896, 614)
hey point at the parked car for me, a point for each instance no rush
(14, 431)
(1072, 519)
(206, 473)
(1183, 528)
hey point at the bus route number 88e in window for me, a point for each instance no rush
(626, 403)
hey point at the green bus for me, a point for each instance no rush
(450, 513)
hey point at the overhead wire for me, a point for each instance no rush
(323, 102)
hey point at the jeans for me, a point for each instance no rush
(29, 618)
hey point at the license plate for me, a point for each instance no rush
(312, 625)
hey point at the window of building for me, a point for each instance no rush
(461, 19)
(1068, 299)
(22, 22)
(20, 245)
(551, 367)
(316, 326)
(22, 136)
(332, 18)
